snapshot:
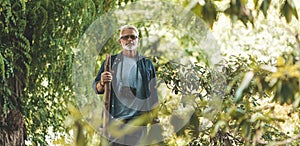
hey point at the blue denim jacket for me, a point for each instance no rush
(149, 92)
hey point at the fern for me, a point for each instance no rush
(2, 68)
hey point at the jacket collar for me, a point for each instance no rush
(118, 57)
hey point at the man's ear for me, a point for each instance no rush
(119, 42)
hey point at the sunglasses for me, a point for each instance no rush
(133, 37)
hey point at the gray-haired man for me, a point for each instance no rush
(133, 82)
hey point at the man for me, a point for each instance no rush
(133, 84)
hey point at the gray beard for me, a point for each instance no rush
(128, 47)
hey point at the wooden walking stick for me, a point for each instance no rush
(107, 90)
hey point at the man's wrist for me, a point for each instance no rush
(101, 83)
(99, 86)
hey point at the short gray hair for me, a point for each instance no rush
(128, 27)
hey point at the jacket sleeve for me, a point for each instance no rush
(152, 85)
(97, 79)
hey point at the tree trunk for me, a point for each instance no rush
(13, 131)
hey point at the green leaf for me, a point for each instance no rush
(296, 102)
(293, 8)
(197, 9)
(209, 13)
(286, 11)
(219, 125)
(245, 83)
(287, 93)
(236, 113)
(2, 67)
(277, 88)
(255, 2)
(258, 116)
(265, 6)
(245, 128)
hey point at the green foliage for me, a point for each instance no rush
(209, 10)
(240, 121)
(37, 38)
(288, 10)
(239, 11)
(243, 119)
(285, 81)
(53, 29)
(14, 50)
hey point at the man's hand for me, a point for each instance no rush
(106, 77)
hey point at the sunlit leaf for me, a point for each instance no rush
(245, 83)
(293, 8)
(258, 116)
(255, 2)
(280, 61)
(197, 9)
(297, 101)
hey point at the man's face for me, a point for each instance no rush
(129, 39)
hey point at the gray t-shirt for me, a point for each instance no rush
(128, 105)
(129, 69)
